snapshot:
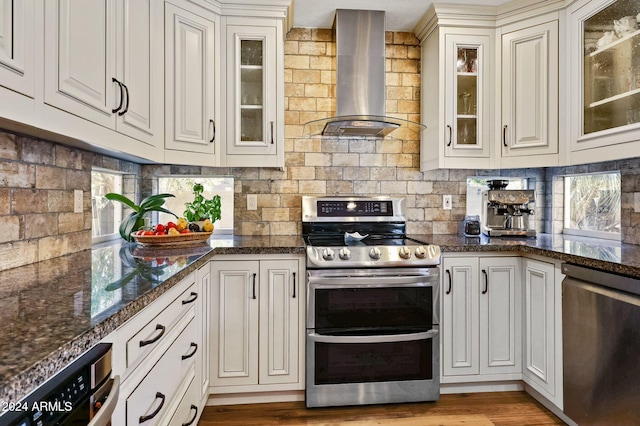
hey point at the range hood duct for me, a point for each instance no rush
(360, 78)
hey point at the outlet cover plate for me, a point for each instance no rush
(446, 202)
(77, 200)
(636, 202)
(252, 201)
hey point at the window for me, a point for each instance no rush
(592, 205)
(106, 216)
(181, 187)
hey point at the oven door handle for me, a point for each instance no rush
(386, 338)
(374, 281)
(103, 417)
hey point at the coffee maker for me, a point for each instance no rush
(506, 212)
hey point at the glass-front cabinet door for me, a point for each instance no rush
(467, 82)
(251, 90)
(605, 54)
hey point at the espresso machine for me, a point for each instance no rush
(506, 212)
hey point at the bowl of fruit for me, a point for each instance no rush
(174, 234)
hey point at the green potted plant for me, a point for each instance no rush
(201, 208)
(135, 219)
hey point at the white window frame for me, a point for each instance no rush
(118, 212)
(615, 236)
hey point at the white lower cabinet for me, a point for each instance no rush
(257, 324)
(542, 332)
(158, 355)
(481, 319)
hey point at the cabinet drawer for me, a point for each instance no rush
(188, 411)
(148, 403)
(153, 333)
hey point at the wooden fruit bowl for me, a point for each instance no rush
(192, 238)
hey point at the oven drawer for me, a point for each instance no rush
(347, 370)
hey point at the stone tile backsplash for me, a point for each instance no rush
(37, 178)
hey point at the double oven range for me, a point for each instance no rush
(372, 304)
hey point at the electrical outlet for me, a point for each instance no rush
(636, 202)
(446, 202)
(252, 201)
(77, 200)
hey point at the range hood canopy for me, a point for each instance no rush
(361, 82)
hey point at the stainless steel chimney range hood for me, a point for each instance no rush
(360, 78)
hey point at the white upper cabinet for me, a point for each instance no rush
(17, 41)
(604, 80)
(457, 98)
(254, 82)
(103, 62)
(530, 95)
(191, 89)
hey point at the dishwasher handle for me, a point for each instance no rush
(103, 416)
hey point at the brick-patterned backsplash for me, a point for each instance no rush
(37, 178)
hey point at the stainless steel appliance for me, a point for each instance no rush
(372, 304)
(601, 344)
(81, 394)
(505, 212)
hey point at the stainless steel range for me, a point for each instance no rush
(372, 305)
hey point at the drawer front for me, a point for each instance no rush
(188, 411)
(147, 405)
(153, 333)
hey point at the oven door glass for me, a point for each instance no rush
(339, 360)
(379, 310)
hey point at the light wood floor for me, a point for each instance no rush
(478, 409)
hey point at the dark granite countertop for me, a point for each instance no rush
(53, 311)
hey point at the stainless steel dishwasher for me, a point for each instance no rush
(601, 346)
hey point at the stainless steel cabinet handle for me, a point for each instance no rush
(115, 80)
(504, 135)
(323, 338)
(294, 285)
(254, 286)
(126, 107)
(155, 413)
(450, 282)
(195, 415)
(486, 282)
(193, 298)
(450, 134)
(155, 339)
(213, 126)
(103, 417)
(272, 133)
(195, 349)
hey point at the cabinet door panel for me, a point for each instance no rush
(460, 313)
(530, 91)
(80, 58)
(254, 92)
(189, 75)
(279, 324)
(468, 83)
(17, 39)
(499, 296)
(140, 68)
(234, 343)
(539, 324)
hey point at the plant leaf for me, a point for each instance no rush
(154, 199)
(163, 210)
(127, 225)
(112, 196)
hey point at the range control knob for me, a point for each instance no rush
(375, 253)
(405, 252)
(421, 252)
(344, 253)
(328, 254)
